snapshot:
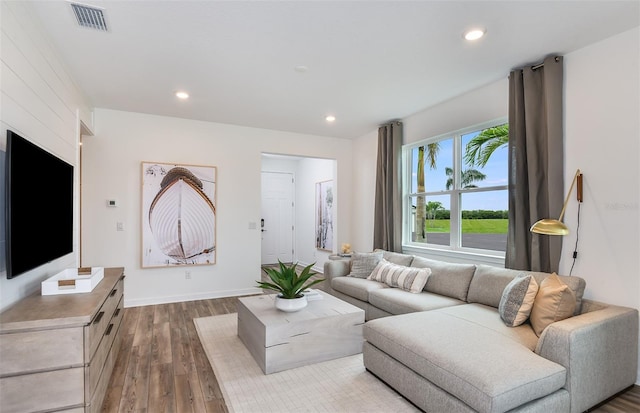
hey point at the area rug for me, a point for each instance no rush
(341, 385)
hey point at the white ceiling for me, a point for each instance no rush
(369, 61)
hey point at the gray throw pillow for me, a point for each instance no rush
(363, 263)
(517, 300)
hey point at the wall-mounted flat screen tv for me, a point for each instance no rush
(38, 206)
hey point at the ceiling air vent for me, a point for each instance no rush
(88, 16)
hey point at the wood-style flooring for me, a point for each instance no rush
(162, 367)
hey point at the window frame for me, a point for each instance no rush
(454, 250)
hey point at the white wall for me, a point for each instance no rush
(42, 104)
(602, 112)
(111, 169)
(365, 157)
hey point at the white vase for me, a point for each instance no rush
(290, 305)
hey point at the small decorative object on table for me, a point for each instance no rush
(290, 285)
(73, 281)
(346, 249)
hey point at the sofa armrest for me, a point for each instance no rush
(336, 268)
(598, 348)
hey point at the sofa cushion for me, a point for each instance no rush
(356, 287)
(471, 362)
(488, 317)
(407, 278)
(446, 278)
(488, 283)
(517, 300)
(555, 301)
(396, 257)
(397, 301)
(576, 284)
(363, 263)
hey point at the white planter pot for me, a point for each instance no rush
(290, 305)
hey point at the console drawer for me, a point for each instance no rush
(44, 391)
(97, 398)
(95, 330)
(96, 365)
(30, 351)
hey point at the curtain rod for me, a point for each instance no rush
(538, 66)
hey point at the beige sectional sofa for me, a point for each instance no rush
(446, 348)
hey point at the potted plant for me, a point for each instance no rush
(289, 285)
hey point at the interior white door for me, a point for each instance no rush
(277, 217)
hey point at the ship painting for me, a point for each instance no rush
(180, 217)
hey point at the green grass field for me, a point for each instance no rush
(470, 226)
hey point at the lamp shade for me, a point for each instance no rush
(549, 226)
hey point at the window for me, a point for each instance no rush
(457, 190)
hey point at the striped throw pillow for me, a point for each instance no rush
(407, 278)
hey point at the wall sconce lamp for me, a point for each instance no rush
(550, 226)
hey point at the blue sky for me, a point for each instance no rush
(496, 174)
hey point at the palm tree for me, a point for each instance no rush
(432, 150)
(431, 208)
(468, 177)
(480, 148)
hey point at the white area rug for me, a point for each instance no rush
(341, 385)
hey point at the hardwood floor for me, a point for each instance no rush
(162, 367)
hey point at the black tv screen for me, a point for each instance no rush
(38, 207)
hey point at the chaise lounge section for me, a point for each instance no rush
(447, 349)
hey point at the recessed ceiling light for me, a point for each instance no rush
(330, 118)
(182, 95)
(474, 34)
(301, 69)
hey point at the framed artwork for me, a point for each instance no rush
(178, 214)
(324, 215)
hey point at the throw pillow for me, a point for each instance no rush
(407, 278)
(362, 263)
(517, 300)
(555, 301)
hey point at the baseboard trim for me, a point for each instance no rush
(189, 297)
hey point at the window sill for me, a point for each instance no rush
(457, 256)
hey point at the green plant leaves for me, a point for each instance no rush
(287, 281)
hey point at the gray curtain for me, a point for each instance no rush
(536, 188)
(387, 227)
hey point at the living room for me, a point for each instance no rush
(42, 102)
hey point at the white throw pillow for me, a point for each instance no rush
(408, 278)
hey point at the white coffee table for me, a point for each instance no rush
(326, 329)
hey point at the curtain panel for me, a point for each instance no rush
(387, 227)
(536, 161)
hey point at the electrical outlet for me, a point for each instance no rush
(119, 226)
(187, 275)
